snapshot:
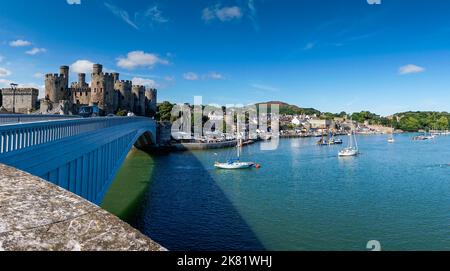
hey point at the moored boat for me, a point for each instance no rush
(352, 148)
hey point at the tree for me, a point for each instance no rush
(410, 124)
(442, 123)
(164, 111)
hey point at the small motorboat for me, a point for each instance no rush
(336, 141)
(391, 140)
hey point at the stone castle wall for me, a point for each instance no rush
(22, 100)
(106, 90)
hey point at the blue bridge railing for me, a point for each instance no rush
(18, 118)
(81, 155)
(19, 136)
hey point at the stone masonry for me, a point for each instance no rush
(20, 100)
(36, 215)
(106, 91)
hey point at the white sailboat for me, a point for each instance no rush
(236, 162)
(391, 138)
(352, 149)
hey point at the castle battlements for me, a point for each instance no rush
(54, 75)
(106, 91)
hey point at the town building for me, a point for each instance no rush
(317, 123)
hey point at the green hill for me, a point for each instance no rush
(289, 109)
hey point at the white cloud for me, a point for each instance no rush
(411, 68)
(122, 14)
(74, 2)
(146, 17)
(36, 51)
(5, 82)
(38, 75)
(169, 78)
(140, 59)
(221, 13)
(191, 76)
(374, 2)
(82, 66)
(253, 14)
(4, 72)
(215, 76)
(19, 43)
(150, 16)
(144, 82)
(264, 87)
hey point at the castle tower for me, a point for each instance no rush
(102, 89)
(82, 79)
(115, 76)
(139, 100)
(151, 102)
(97, 69)
(125, 97)
(57, 85)
(64, 71)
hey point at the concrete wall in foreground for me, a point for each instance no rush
(37, 215)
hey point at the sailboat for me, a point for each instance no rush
(334, 141)
(236, 162)
(352, 149)
(329, 140)
(391, 138)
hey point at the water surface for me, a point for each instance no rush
(303, 198)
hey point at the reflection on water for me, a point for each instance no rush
(303, 198)
(130, 185)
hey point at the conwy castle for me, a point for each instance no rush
(106, 91)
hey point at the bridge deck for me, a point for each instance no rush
(37, 215)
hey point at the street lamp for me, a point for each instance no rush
(14, 87)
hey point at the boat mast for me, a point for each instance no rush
(238, 140)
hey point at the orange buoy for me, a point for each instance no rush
(257, 166)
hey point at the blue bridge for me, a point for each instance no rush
(80, 155)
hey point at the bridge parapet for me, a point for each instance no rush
(27, 135)
(18, 118)
(80, 155)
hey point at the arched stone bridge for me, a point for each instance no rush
(79, 155)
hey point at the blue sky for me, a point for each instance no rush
(334, 55)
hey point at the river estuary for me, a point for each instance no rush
(303, 198)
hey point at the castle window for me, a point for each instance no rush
(62, 89)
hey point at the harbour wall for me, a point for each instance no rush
(204, 146)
